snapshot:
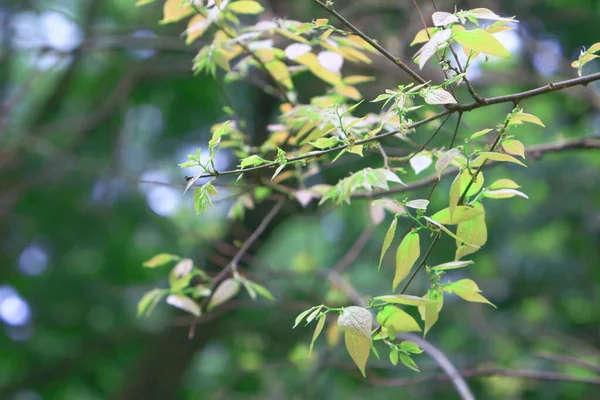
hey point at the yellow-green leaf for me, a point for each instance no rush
(422, 36)
(520, 117)
(245, 7)
(140, 3)
(356, 79)
(473, 231)
(359, 348)
(514, 147)
(481, 41)
(311, 61)
(196, 28)
(149, 301)
(504, 194)
(356, 322)
(174, 10)
(397, 320)
(504, 184)
(318, 330)
(387, 241)
(407, 254)
(448, 231)
(407, 299)
(461, 214)
(430, 312)
(161, 259)
(468, 290)
(495, 157)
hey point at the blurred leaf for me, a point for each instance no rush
(225, 291)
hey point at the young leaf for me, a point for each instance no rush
(451, 265)
(303, 314)
(443, 18)
(520, 117)
(160, 260)
(514, 147)
(392, 317)
(356, 322)
(481, 42)
(174, 10)
(496, 157)
(503, 194)
(461, 214)
(263, 291)
(481, 133)
(411, 347)
(423, 35)
(430, 312)
(404, 299)
(184, 303)
(445, 160)
(407, 254)
(437, 96)
(244, 7)
(468, 290)
(387, 241)
(149, 301)
(455, 192)
(394, 356)
(473, 231)
(419, 204)
(504, 184)
(225, 291)
(408, 362)
(437, 41)
(420, 162)
(449, 232)
(318, 330)
(252, 161)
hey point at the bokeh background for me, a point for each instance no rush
(99, 104)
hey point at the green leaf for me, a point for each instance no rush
(225, 291)
(313, 314)
(387, 241)
(394, 356)
(411, 347)
(469, 291)
(451, 265)
(503, 194)
(392, 317)
(184, 303)
(245, 7)
(482, 42)
(430, 312)
(405, 299)
(263, 291)
(408, 361)
(160, 260)
(303, 314)
(504, 184)
(252, 161)
(445, 160)
(407, 254)
(520, 117)
(495, 157)
(461, 214)
(356, 322)
(481, 133)
(449, 232)
(318, 330)
(324, 143)
(514, 147)
(149, 301)
(455, 192)
(473, 231)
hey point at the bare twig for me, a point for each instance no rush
(569, 360)
(355, 250)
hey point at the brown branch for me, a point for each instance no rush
(569, 360)
(373, 43)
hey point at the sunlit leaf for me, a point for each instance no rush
(514, 147)
(396, 319)
(405, 299)
(149, 301)
(389, 237)
(437, 96)
(473, 231)
(196, 28)
(174, 10)
(468, 290)
(331, 61)
(461, 214)
(504, 184)
(252, 161)
(481, 133)
(423, 35)
(441, 18)
(437, 41)
(482, 42)
(495, 157)
(446, 159)
(430, 312)
(356, 322)
(407, 254)
(520, 117)
(451, 265)
(161, 259)
(449, 232)
(504, 194)
(244, 7)
(420, 204)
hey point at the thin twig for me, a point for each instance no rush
(569, 360)
(355, 250)
(373, 43)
